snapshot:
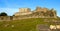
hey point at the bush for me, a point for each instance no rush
(3, 14)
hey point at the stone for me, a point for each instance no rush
(52, 27)
(43, 27)
(12, 25)
(6, 25)
(58, 26)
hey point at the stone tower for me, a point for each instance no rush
(54, 13)
(44, 9)
(24, 10)
(38, 9)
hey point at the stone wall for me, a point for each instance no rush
(5, 18)
(26, 17)
(10, 18)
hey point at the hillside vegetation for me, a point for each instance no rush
(22, 25)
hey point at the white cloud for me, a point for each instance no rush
(9, 11)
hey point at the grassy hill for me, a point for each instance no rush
(22, 25)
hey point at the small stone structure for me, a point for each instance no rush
(23, 11)
(43, 27)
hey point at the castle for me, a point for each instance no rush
(37, 12)
(27, 13)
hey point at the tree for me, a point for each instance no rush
(3, 14)
(13, 15)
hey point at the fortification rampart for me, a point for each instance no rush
(10, 18)
(5, 18)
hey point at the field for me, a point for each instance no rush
(22, 25)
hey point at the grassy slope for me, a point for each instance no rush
(21, 25)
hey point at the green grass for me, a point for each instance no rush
(22, 25)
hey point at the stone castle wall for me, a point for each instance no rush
(10, 18)
(5, 18)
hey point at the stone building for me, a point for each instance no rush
(23, 11)
(43, 27)
(44, 9)
(39, 9)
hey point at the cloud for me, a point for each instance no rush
(9, 11)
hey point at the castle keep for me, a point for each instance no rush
(25, 13)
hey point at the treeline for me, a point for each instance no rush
(3, 14)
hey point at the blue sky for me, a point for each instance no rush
(12, 6)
